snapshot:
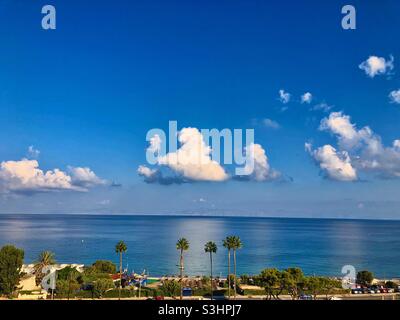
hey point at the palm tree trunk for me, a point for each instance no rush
(212, 289)
(229, 273)
(234, 271)
(181, 272)
(120, 274)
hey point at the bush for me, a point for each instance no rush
(101, 286)
(66, 288)
(67, 273)
(105, 266)
(11, 260)
(365, 278)
(170, 288)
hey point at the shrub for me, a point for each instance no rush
(105, 266)
(11, 260)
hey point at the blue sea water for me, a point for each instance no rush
(318, 246)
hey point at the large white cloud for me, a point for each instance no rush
(336, 165)
(377, 65)
(25, 176)
(362, 148)
(192, 161)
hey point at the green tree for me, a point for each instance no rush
(120, 248)
(45, 258)
(293, 280)
(11, 260)
(315, 285)
(101, 286)
(105, 266)
(364, 278)
(182, 245)
(211, 247)
(67, 281)
(228, 244)
(270, 279)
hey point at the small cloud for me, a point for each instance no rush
(271, 124)
(323, 106)
(104, 202)
(394, 96)
(306, 98)
(284, 97)
(85, 177)
(377, 66)
(33, 153)
(360, 205)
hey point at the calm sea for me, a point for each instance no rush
(318, 246)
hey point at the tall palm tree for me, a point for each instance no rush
(45, 258)
(228, 244)
(120, 248)
(211, 247)
(182, 245)
(236, 245)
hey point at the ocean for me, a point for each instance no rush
(318, 246)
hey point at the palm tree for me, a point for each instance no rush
(211, 247)
(228, 244)
(237, 244)
(182, 245)
(120, 248)
(45, 258)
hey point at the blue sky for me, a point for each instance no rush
(86, 94)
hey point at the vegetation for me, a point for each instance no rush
(170, 288)
(105, 266)
(46, 258)
(120, 248)
(101, 286)
(211, 247)
(292, 281)
(228, 244)
(182, 245)
(11, 260)
(364, 278)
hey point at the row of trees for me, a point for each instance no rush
(292, 281)
(231, 243)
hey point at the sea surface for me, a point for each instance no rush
(318, 246)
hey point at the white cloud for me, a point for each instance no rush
(336, 165)
(323, 106)
(363, 147)
(33, 153)
(85, 177)
(394, 96)
(155, 144)
(377, 66)
(25, 176)
(192, 161)
(306, 97)
(284, 97)
(269, 123)
(258, 169)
